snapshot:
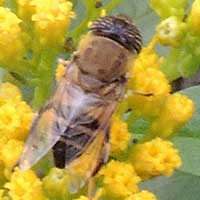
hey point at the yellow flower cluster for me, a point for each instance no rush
(194, 15)
(25, 185)
(119, 179)
(15, 114)
(51, 18)
(170, 31)
(119, 136)
(143, 195)
(97, 196)
(15, 120)
(178, 109)
(11, 44)
(147, 78)
(154, 158)
(55, 183)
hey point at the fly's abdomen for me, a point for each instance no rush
(73, 142)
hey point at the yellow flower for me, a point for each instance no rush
(178, 109)
(25, 186)
(119, 136)
(60, 71)
(143, 195)
(11, 45)
(10, 152)
(170, 31)
(15, 119)
(25, 9)
(195, 15)
(55, 183)
(154, 158)
(52, 18)
(148, 81)
(119, 179)
(9, 91)
(147, 58)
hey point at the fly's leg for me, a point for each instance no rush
(91, 188)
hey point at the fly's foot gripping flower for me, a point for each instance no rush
(178, 109)
(11, 44)
(52, 15)
(25, 185)
(119, 179)
(166, 8)
(119, 136)
(170, 31)
(154, 158)
(143, 195)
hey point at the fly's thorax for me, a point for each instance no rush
(102, 58)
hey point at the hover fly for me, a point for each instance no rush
(75, 121)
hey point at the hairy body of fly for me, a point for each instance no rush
(75, 121)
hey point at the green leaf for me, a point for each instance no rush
(192, 128)
(189, 149)
(181, 186)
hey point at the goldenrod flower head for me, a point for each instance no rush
(55, 183)
(15, 119)
(147, 58)
(9, 91)
(178, 109)
(170, 31)
(24, 185)
(195, 15)
(11, 46)
(119, 179)
(119, 136)
(10, 152)
(52, 18)
(149, 81)
(154, 158)
(60, 71)
(25, 9)
(143, 195)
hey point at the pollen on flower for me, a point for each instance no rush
(119, 136)
(154, 158)
(119, 179)
(11, 45)
(143, 195)
(10, 152)
(60, 71)
(25, 185)
(52, 18)
(178, 109)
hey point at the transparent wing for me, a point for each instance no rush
(82, 168)
(42, 137)
(68, 103)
